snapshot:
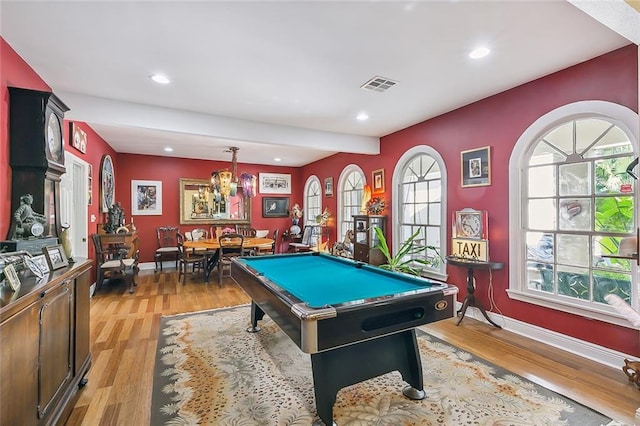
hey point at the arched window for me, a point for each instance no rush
(574, 202)
(419, 179)
(312, 200)
(350, 187)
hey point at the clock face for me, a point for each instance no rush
(53, 133)
(471, 225)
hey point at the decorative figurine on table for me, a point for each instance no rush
(296, 214)
(323, 218)
(27, 222)
(115, 218)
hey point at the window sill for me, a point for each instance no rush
(572, 308)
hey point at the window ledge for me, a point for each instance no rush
(572, 308)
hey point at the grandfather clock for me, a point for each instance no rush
(36, 159)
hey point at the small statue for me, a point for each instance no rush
(115, 218)
(27, 222)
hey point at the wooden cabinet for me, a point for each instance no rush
(366, 239)
(44, 330)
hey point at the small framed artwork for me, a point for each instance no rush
(11, 277)
(328, 187)
(107, 184)
(275, 207)
(78, 138)
(377, 181)
(275, 183)
(90, 185)
(55, 257)
(476, 167)
(146, 197)
(40, 262)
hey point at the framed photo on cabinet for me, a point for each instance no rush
(475, 168)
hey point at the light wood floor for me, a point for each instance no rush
(124, 331)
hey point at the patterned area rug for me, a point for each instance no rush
(210, 371)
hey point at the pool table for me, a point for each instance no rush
(357, 321)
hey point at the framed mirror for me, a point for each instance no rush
(199, 206)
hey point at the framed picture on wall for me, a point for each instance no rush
(476, 167)
(78, 138)
(107, 184)
(275, 183)
(275, 207)
(146, 197)
(377, 181)
(328, 187)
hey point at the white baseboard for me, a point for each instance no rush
(600, 354)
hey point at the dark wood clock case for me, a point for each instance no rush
(34, 171)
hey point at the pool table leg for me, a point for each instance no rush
(347, 365)
(256, 315)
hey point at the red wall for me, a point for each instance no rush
(169, 171)
(498, 122)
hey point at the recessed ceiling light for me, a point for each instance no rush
(277, 159)
(159, 78)
(168, 149)
(363, 116)
(479, 52)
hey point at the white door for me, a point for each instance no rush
(73, 203)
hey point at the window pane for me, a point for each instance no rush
(540, 247)
(574, 282)
(611, 174)
(421, 192)
(611, 283)
(542, 181)
(545, 154)
(408, 213)
(561, 138)
(434, 214)
(614, 214)
(589, 131)
(575, 214)
(542, 214)
(575, 179)
(540, 277)
(421, 214)
(573, 249)
(603, 246)
(407, 193)
(435, 191)
(614, 142)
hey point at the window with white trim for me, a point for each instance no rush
(350, 190)
(421, 205)
(312, 200)
(576, 203)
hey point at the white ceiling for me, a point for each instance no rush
(283, 78)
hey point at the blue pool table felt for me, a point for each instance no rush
(321, 281)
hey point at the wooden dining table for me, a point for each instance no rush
(212, 247)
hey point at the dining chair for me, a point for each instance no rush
(187, 258)
(247, 231)
(307, 240)
(167, 246)
(231, 245)
(268, 248)
(112, 263)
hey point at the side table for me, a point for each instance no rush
(470, 300)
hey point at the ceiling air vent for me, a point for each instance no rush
(379, 84)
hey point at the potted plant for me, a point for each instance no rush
(403, 261)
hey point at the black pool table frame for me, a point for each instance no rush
(354, 341)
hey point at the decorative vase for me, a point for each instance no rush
(65, 240)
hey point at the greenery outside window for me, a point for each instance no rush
(576, 202)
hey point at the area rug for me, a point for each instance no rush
(210, 371)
